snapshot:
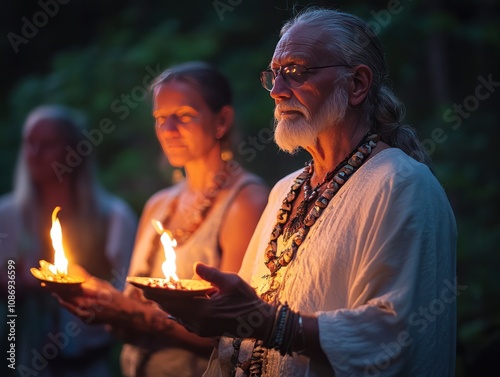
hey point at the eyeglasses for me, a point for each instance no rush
(294, 75)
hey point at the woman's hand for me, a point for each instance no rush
(96, 301)
(233, 310)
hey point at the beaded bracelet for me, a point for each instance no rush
(277, 340)
(287, 333)
(274, 338)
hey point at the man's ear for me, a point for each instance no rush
(224, 121)
(360, 84)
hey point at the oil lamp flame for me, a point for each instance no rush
(60, 265)
(168, 267)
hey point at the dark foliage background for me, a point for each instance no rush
(95, 55)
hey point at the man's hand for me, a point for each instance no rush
(233, 310)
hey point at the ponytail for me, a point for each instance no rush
(387, 115)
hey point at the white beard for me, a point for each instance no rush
(300, 131)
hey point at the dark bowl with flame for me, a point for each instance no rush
(163, 288)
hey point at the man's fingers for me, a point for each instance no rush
(221, 280)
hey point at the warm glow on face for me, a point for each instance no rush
(168, 267)
(60, 265)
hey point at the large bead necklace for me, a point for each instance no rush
(197, 210)
(295, 223)
(299, 227)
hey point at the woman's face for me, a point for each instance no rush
(185, 125)
(43, 145)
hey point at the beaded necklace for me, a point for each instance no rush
(295, 223)
(299, 227)
(198, 211)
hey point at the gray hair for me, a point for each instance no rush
(90, 205)
(352, 41)
(87, 191)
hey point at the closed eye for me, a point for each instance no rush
(185, 118)
(160, 119)
(179, 117)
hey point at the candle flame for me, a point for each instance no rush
(168, 267)
(60, 265)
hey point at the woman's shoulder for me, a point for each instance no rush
(162, 196)
(7, 202)
(249, 192)
(249, 178)
(253, 183)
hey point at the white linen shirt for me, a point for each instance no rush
(377, 268)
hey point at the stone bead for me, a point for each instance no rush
(356, 159)
(347, 172)
(287, 256)
(282, 216)
(299, 236)
(333, 186)
(309, 220)
(291, 196)
(365, 149)
(328, 194)
(321, 202)
(287, 206)
(276, 232)
(315, 211)
(302, 176)
(272, 266)
(275, 284)
(312, 195)
(270, 250)
(339, 179)
(372, 144)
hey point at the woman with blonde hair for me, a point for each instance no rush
(211, 214)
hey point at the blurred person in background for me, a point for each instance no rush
(211, 214)
(98, 233)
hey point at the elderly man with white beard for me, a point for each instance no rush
(351, 269)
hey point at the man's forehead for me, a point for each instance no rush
(300, 44)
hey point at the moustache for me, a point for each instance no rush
(290, 106)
